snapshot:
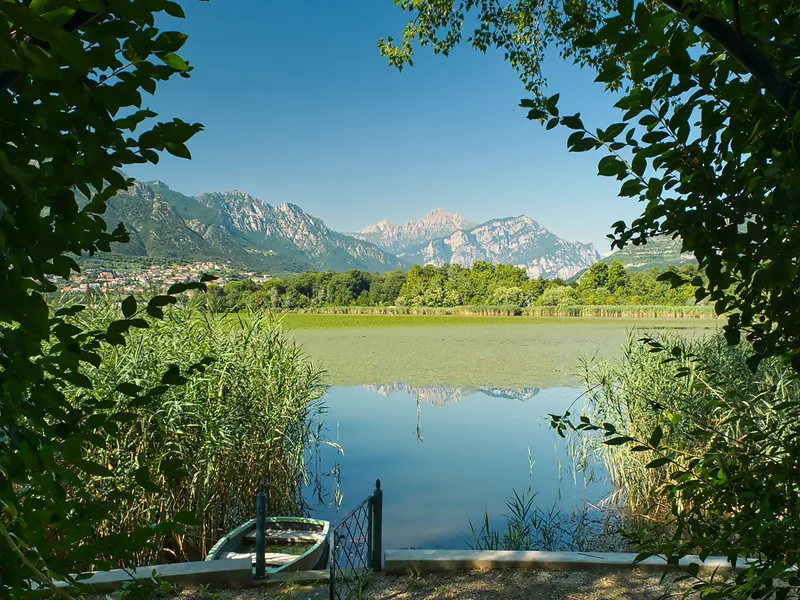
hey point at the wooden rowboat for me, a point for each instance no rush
(292, 544)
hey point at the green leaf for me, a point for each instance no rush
(178, 149)
(144, 479)
(129, 307)
(174, 9)
(573, 122)
(551, 104)
(162, 300)
(642, 17)
(172, 468)
(655, 437)
(639, 164)
(173, 60)
(618, 441)
(185, 517)
(659, 462)
(129, 389)
(632, 187)
(613, 131)
(609, 73)
(93, 468)
(625, 8)
(574, 138)
(588, 40)
(611, 166)
(173, 377)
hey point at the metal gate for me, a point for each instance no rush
(355, 546)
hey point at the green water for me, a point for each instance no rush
(506, 352)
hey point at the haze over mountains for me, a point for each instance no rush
(249, 233)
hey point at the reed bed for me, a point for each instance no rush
(583, 310)
(624, 312)
(499, 311)
(704, 385)
(248, 417)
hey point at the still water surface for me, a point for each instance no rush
(447, 457)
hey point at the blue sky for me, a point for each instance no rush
(299, 106)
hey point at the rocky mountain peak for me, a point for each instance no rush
(439, 217)
(381, 226)
(394, 238)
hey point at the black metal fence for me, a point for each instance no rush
(355, 546)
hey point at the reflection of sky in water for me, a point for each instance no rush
(474, 451)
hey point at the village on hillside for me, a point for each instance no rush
(153, 277)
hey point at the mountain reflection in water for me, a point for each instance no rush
(442, 396)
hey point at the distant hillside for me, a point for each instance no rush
(658, 253)
(237, 228)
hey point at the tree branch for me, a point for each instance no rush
(737, 19)
(744, 51)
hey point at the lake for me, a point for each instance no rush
(456, 439)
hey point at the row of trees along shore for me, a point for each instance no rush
(481, 285)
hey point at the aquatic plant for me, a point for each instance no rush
(248, 417)
(527, 526)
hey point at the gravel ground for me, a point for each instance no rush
(492, 585)
(513, 585)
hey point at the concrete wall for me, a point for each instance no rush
(418, 562)
(218, 574)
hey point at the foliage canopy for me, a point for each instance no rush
(72, 114)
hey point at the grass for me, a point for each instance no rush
(466, 351)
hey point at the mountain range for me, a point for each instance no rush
(442, 238)
(248, 233)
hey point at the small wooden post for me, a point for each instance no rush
(377, 525)
(261, 526)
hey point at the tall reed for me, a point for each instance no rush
(248, 417)
(528, 527)
(622, 311)
(701, 385)
(499, 311)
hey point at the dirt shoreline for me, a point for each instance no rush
(617, 584)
